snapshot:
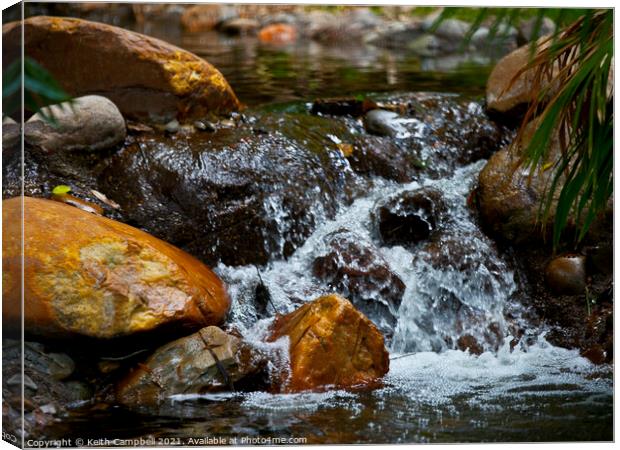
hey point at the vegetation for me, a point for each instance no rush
(574, 103)
(40, 88)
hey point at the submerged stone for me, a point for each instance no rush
(332, 346)
(86, 275)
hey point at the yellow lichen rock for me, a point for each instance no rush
(91, 276)
(332, 345)
(148, 79)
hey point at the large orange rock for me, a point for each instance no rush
(91, 276)
(332, 345)
(148, 79)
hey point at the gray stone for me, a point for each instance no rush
(527, 28)
(89, 123)
(382, 122)
(10, 133)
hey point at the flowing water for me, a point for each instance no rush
(531, 391)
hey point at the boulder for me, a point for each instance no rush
(509, 194)
(209, 360)
(566, 275)
(89, 123)
(146, 78)
(239, 195)
(86, 275)
(509, 91)
(332, 345)
(278, 33)
(357, 270)
(409, 217)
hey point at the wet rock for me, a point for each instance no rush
(240, 26)
(91, 276)
(409, 217)
(165, 82)
(89, 123)
(278, 33)
(234, 195)
(470, 344)
(383, 123)
(509, 194)
(508, 97)
(528, 27)
(342, 106)
(332, 345)
(599, 336)
(204, 125)
(46, 396)
(566, 275)
(207, 361)
(356, 270)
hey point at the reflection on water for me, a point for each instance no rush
(261, 73)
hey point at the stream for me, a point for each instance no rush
(518, 389)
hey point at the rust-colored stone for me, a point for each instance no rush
(278, 33)
(332, 345)
(145, 77)
(91, 276)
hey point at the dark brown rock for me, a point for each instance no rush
(409, 217)
(566, 275)
(356, 270)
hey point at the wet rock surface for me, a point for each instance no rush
(409, 217)
(98, 277)
(207, 361)
(356, 270)
(331, 345)
(91, 58)
(89, 123)
(567, 274)
(48, 393)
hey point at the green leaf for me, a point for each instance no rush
(61, 189)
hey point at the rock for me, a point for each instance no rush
(207, 361)
(46, 395)
(452, 29)
(382, 123)
(199, 18)
(332, 346)
(355, 269)
(409, 217)
(527, 28)
(172, 126)
(342, 106)
(11, 136)
(91, 276)
(165, 82)
(566, 275)
(278, 33)
(240, 26)
(469, 343)
(89, 123)
(204, 125)
(507, 97)
(253, 196)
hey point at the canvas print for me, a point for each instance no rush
(251, 224)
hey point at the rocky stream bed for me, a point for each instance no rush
(262, 259)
